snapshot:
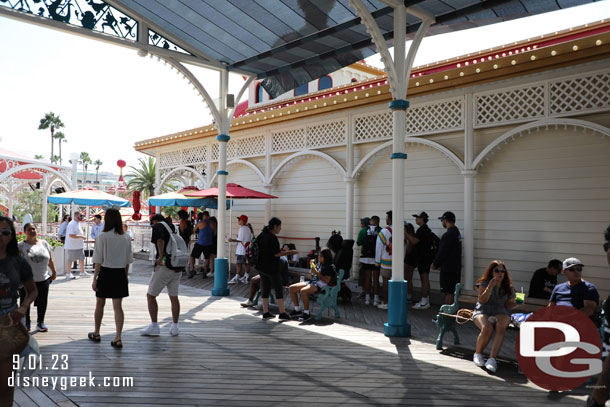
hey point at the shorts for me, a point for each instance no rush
(198, 250)
(75, 254)
(163, 277)
(386, 273)
(423, 268)
(241, 259)
(448, 282)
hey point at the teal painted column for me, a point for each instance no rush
(221, 270)
(397, 324)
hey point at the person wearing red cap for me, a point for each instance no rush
(244, 237)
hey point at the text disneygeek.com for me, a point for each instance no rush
(65, 382)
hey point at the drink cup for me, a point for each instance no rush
(302, 279)
(520, 297)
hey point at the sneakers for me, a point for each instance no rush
(210, 274)
(247, 304)
(295, 313)
(41, 327)
(244, 280)
(70, 276)
(268, 315)
(491, 365)
(304, 317)
(192, 273)
(234, 280)
(478, 360)
(151, 330)
(173, 330)
(367, 299)
(421, 305)
(284, 317)
(382, 306)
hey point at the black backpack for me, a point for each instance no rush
(253, 251)
(368, 247)
(433, 249)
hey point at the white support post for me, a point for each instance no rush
(45, 207)
(349, 182)
(223, 139)
(268, 172)
(74, 158)
(469, 176)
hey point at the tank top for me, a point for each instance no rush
(205, 235)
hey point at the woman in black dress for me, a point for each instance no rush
(112, 257)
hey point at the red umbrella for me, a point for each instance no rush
(234, 191)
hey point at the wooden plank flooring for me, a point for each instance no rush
(226, 355)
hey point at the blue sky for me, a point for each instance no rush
(109, 98)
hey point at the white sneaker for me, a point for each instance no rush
(367, 300)
(234, 280)
(421, 305)
(210, 274)
(244, 280)
(248, 304)
(70, 277)
(491, 365)
(382, 306)
(173, 330)
(478, 360)
(151, 330)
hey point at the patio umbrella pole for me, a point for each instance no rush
(230, 230)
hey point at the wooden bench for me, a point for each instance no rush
(447, 317)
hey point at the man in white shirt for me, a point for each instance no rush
(75, 243)
(244, 237)
(98, 226)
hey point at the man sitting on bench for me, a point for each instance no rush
(576, 292)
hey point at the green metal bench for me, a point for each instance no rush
(327, 297)
(446, 320)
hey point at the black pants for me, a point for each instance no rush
(269, 281)
(40, 302)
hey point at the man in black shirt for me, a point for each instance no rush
(164, 275)
(544, 280)
(421, 258)
(449, 257)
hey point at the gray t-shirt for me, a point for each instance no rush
(495, 304)
(14, 270)
(38, 257)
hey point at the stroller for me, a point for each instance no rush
(343, 255)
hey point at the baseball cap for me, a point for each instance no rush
(449, 216)
(243, 217)
(572, 261)
(422, 215)
(389, 214)
(366, 220)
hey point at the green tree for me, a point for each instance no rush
(85, 160)
(50, 121)
(38, 157)
(61, 138)
(142, 178)
(98, 164)
(28, 201)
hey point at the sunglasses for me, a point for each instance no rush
(499, 271)
(576, 268)
(6, 232)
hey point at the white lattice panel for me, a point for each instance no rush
(289, 140)
(232, 149)
(170, 159)
(578, 94)
(434, 117)
(250, 146)
(509, 106)
(372, 127)
(326, 134)
(214, 151)
(194, 155)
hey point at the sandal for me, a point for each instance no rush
(117, 344)
(93, 337)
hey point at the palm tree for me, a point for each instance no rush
(38, 157)
(55, 159)
(50, 121)
(143, 178)
(97, 164)
(85, 160)
(60, 138)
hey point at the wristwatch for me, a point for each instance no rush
(592, 403)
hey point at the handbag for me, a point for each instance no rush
(14, 338)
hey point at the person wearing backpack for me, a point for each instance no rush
(367, 239)
(164, 275)
(421, 257)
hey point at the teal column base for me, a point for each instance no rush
(221, 268)
(397, 324)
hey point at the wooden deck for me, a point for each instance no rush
(227, 355)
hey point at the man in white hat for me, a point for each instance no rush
(576, 292)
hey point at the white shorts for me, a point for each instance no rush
(163, 277)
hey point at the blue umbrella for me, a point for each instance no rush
(88, 197)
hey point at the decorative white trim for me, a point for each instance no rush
(253, 167)
(416, 140)
(536, 125)
(177, 169)
(47, 169)
(320, 154)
